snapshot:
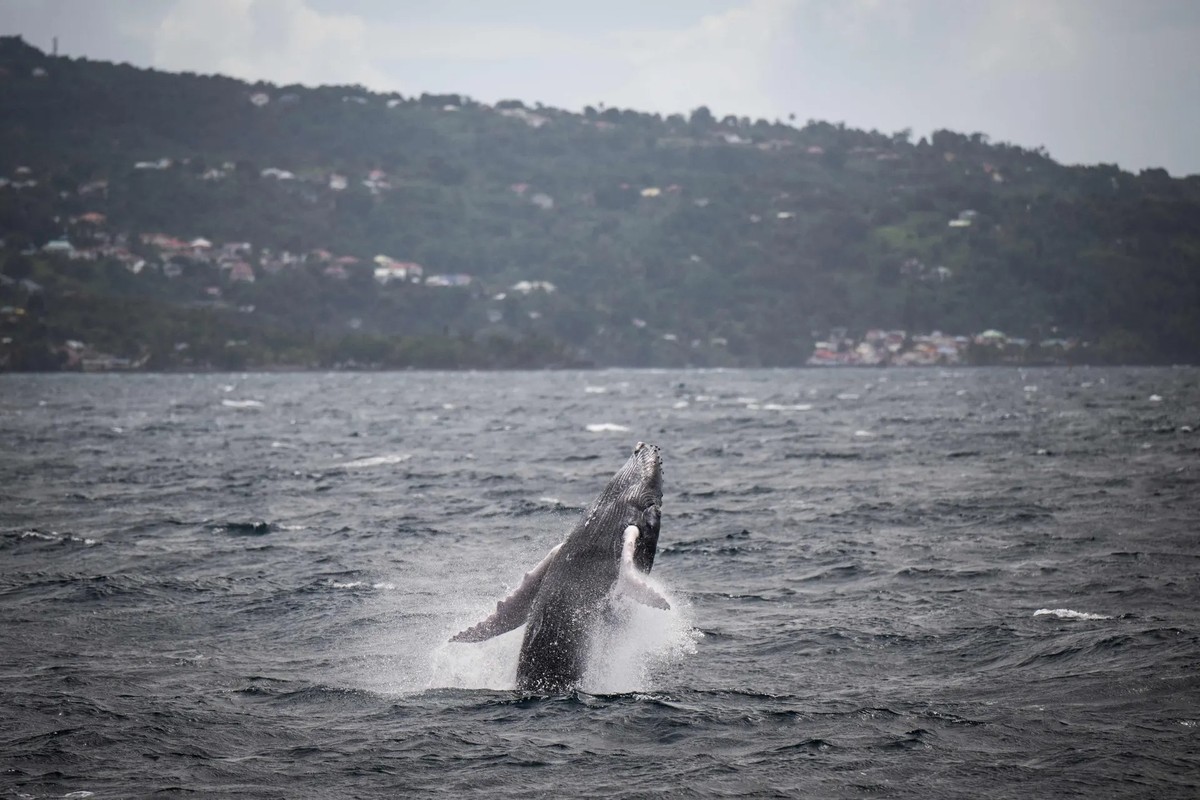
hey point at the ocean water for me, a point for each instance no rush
(885, 583)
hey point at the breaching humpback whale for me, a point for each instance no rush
(562, 599)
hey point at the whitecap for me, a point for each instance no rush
(848, 396)
(863, 434)
(595, 389)
(241, 403)
(1156, 398)
(606, 427)
(1066, 613)
(375, 461)
(54, 536)
(681, 404)
(349, 585)
(781, 407)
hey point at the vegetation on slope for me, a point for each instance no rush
(667, 241)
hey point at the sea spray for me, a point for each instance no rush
(634, 652)
(630, 653)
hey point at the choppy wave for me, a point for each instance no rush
(1066, 613)
(53, 537)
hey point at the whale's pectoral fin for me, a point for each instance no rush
(631, 581)
(643, 592)
(512, 611)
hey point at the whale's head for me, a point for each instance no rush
(636, 492)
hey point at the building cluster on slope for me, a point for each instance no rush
(237, 262)
(879, 347)
(895, 347)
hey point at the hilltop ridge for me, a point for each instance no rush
(182, 220)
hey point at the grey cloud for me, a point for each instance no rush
(1092, 80)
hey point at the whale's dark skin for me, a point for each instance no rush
(563, 598)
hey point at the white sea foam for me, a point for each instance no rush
(59, 537)
(606, 427)
(484, 665)
(360, 584)
(779, 407)
(375, 461)
(242, 403)
(595, 389)
(1066, 613)
(645, 642)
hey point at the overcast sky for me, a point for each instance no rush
(1113, 81)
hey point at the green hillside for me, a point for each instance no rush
(205, 222)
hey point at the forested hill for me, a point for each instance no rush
(184, 220)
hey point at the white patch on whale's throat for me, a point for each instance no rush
(629, 545)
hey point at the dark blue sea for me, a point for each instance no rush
(885, 583)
